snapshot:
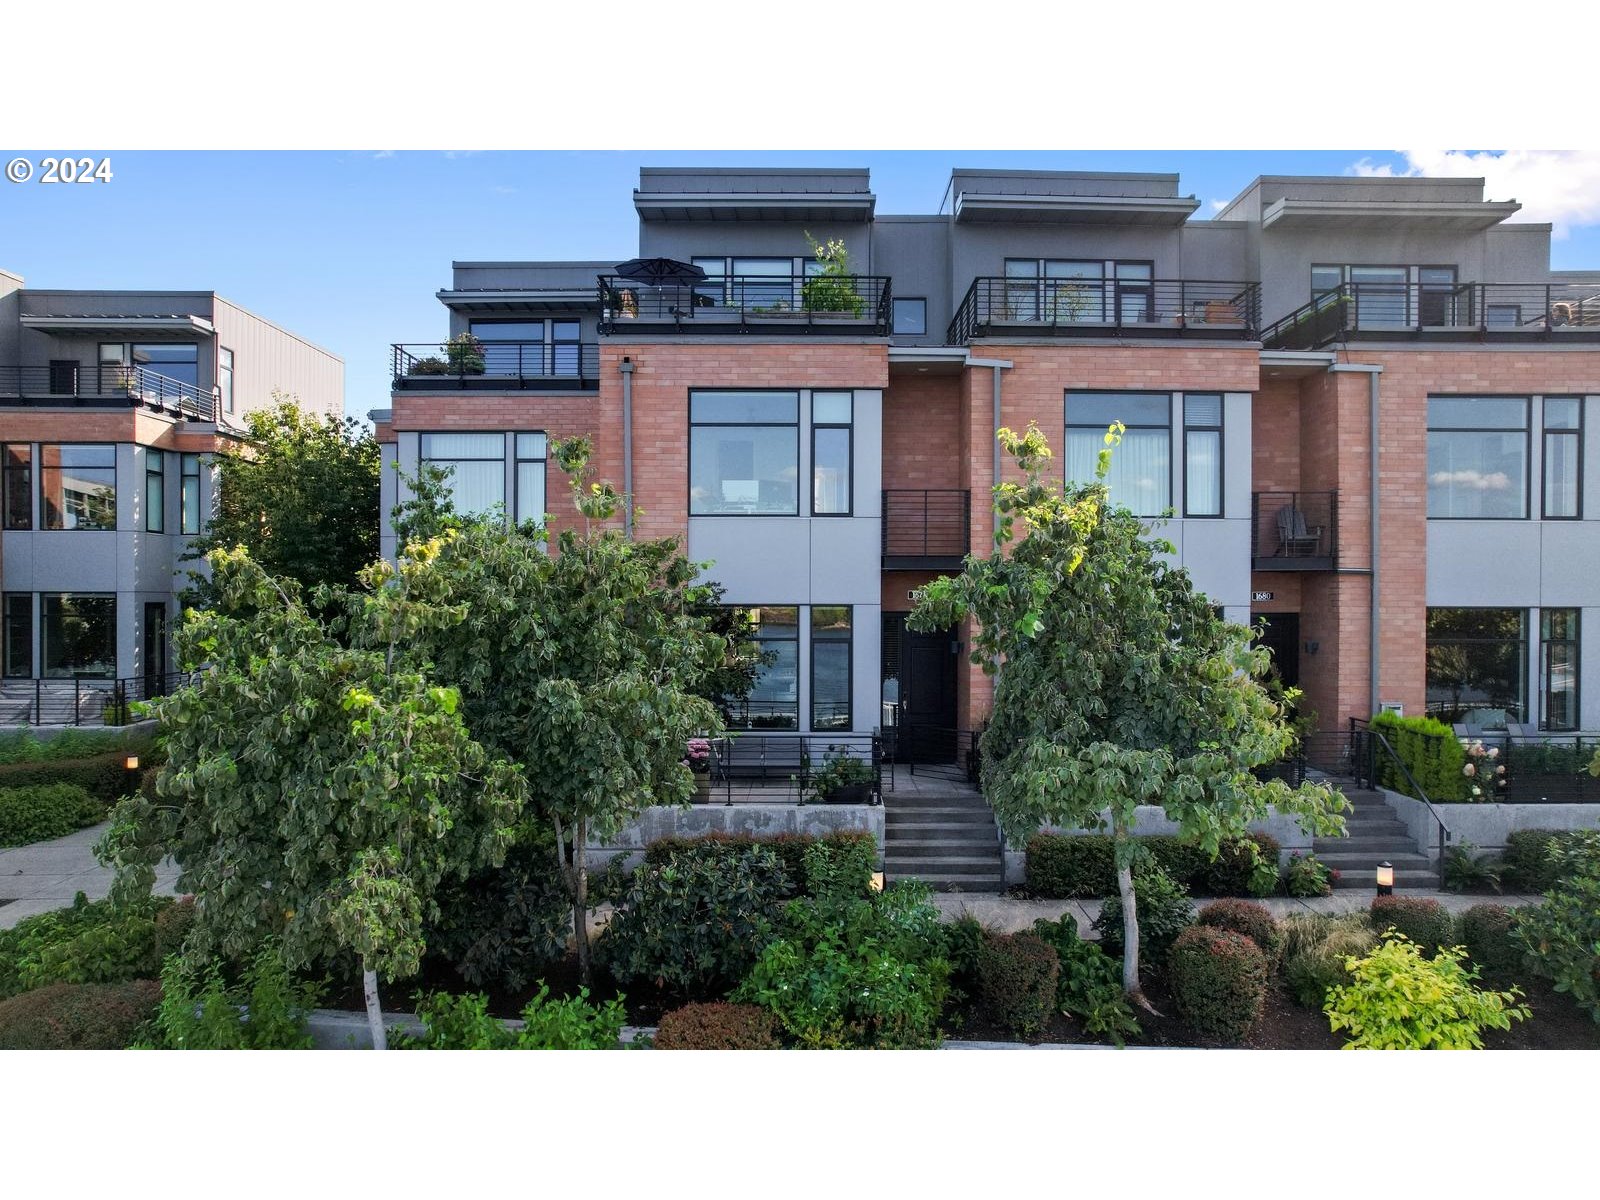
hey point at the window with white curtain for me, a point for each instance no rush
(1202, 454)
(531, 450)
(477, 466)
(1141, 467)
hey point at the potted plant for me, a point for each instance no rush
(697, 757)
(833, 289)
(465, 355)
(842, 779)
(431, 365)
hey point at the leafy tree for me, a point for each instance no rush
(588, 666)
(301, 496)
(316, 792)
(1118, 685)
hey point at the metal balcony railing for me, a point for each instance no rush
(748, 303)
(83, 701)
(926, 529)
(1294, 531)
(105, 385)
(1482, 311)
(1102, 307)
(534, 366)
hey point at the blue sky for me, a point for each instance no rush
(348, 249)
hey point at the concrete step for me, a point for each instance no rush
(978, 886)
(1374, 827)
(901, 802)
(988, 851)
(939, 816)
(1351, 880)
(1381, 846)
(1369, 862)
(942, 864)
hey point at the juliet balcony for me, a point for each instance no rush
(76, 385)
(1555, 312)
(926, 529)
(748, 304)
(998, 306)
(465, 363)
(1294, 531)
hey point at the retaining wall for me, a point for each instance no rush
(1484, 825)
(758, 820)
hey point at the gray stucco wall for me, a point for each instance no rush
(763, 820)
(1485, 826)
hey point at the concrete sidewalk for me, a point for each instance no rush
(1008, 915)
(47, 875)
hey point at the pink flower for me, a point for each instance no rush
(1494, 751)
(1499, 770)
(1469, 769)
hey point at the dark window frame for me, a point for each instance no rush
(517, 460)
(1527, 449)
(155, 467)
(850, 451)
(1546, 643)
(39, 477)
(849, 643)
(7, 471)
(759, 641)
(44, 624)
(422, 457)
(1523, 697)
(894, 316)
(1171, 398)
(30, 640)
(798, 394)
(225, 368)
(1221, 430)
(1545, 434)
(184, 477)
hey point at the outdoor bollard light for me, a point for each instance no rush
(1386, 878)
(877, 881)
(131, 762)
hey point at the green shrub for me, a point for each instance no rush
(1184, 861)
(1467, 871)
(1066, 866)
(503, 927)
(1561, 937)
(1219, 982)
(1305, 876)
(1422, 920)
(77, 1016)
(1248, 918)
(1398, 999)
(90, 943)
(265, 1010)
(718, 1026)
(963, 939)
(1089, 985)
(1485, 931)
(789, 847)
(1431, 752)
(1532, 861)
(1017, 981)
(1246, 866)
(104, 776)
(1315, 948)
(23, 747)
(463, 1023)
(1163, 909)
(697, 922)
(44, 811)
(855, 973)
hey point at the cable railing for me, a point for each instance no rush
(742, 303)
(926, 527)
(86, 700)
(1099, 307)
(793, 768)
(1490, 311)
(76, 383)
(486, 365)
(1294, 531)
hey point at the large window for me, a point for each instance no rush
(18, 486)
(1558, 666)
(1068, 290)
(744, 453)
(830, 667)
(1563, 457)
(189, 497)
(1477, 456)
(1396, 295)
(1202, 454)
(155, 491)
(831, 417)
(774, 701)
(175, 360)
(531, 449)
(80, 636)
(1477, 665)
(78, 486)
(522, 348)
(754, 282)
(225, 377)
(910, 315)
(477, 466)
(1141, 467)
(18, 635)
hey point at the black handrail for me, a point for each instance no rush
(790, 760)
(1095, 307)
(490, 365)
(926, 523)
(83, 700)
(107, 383)
(720, 303)
(1374, 741)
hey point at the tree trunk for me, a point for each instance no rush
(1123, 840)
(580, 900)
(369, 985)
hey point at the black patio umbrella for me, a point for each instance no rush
(661, 272)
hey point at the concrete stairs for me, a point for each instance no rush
(1373, 834)
(944, 836)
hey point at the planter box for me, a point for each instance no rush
(758, 819)
(851, 793)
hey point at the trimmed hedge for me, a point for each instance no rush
(1431, 752)
(78, 1016)
(103, 776)
(1072, 866)
(92, 943)
(789, 847)
(23, 747)
(1017, 975)
(1248, 918)
(1426, 922)
(1163, 909)
(1527, 861)
(1232, 872)
(45, 811)
(1485, 930)
(719, 1026)
(1219, 982)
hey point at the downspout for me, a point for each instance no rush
(626, 367)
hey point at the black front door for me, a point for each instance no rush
(928, 696)
(155, 648)
(1281, 636)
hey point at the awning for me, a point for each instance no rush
(120, 326)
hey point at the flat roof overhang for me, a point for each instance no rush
(119, 326)
(1294, 364)
(754, 206)
(931, 360)
(1391, 214)
(515, 300)
(1075, 210)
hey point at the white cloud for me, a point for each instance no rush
(383, 154)
(1218, 205)
(1559, 186)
